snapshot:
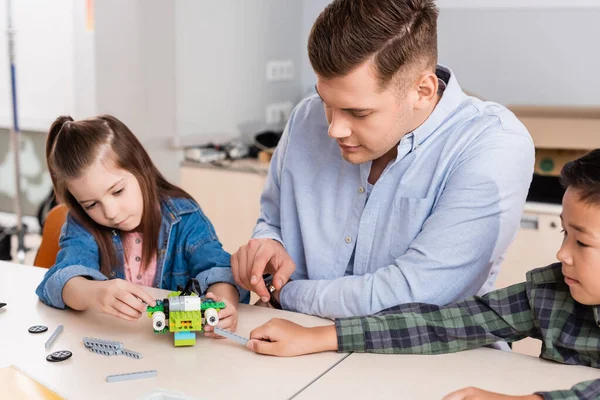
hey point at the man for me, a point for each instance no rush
(390, 185)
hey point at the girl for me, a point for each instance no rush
(127, 227)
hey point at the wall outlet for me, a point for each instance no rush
(280, 70)
(278, 113)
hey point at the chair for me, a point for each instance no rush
(46, 255)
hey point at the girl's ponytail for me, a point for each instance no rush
(57, 125)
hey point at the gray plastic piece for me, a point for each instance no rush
(130, 353)
(59, 329)
(102, 344)
(131, 376)
(104, 352)
(229, 335)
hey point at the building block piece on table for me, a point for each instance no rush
(184, 338)
(59, 329)
(131, 354)
(131, 376)
(104, 352)
(230, 335)
(102, 344)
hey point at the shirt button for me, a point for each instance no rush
(113, 274)
(139, 277)
(137, 240)
(348, 239)
(137, 258)
(361, 189)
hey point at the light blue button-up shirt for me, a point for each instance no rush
(435, 226)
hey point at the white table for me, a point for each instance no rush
(217, 369)
(365, 376)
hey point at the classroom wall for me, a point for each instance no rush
(544, 50)
(221, 53)
(167, 69)
(135, 73)
(524, 56)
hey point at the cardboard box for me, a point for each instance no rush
(564, 128)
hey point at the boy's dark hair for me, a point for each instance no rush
(396, 33)
(583, 174)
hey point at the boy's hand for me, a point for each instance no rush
(280, 337)
(228, 316)
(472, 393)
(117, 297)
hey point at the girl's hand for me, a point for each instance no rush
(228, 316)
(118, 297)
(478, 394)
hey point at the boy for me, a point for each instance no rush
(558, 304)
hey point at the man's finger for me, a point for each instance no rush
(243, 268)
(283, 273)
(253, 248)
(262, 257)
(235, 265)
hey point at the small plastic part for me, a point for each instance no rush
(158, 320)
(59, 329)
(37, 329)
(211, 316)
(60, 355)
(104, 352)
(184, 338)
(130, 353)
(102, 344)
(230, 335)
(131, 376)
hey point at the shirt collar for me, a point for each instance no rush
(451, 98)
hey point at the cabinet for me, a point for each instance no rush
(229, 195)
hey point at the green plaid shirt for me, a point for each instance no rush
(541, 308)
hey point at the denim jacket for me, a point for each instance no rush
(188, 248)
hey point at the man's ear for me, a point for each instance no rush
(426, 90)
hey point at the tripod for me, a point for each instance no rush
(15, 136)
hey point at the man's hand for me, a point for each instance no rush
(472, 393)
(258, 257)
(283, 338)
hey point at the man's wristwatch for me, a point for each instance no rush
(271, 288)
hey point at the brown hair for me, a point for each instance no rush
(73, 146)
(395, 33)
(583, 175)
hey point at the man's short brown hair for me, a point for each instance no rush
(396, 33)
